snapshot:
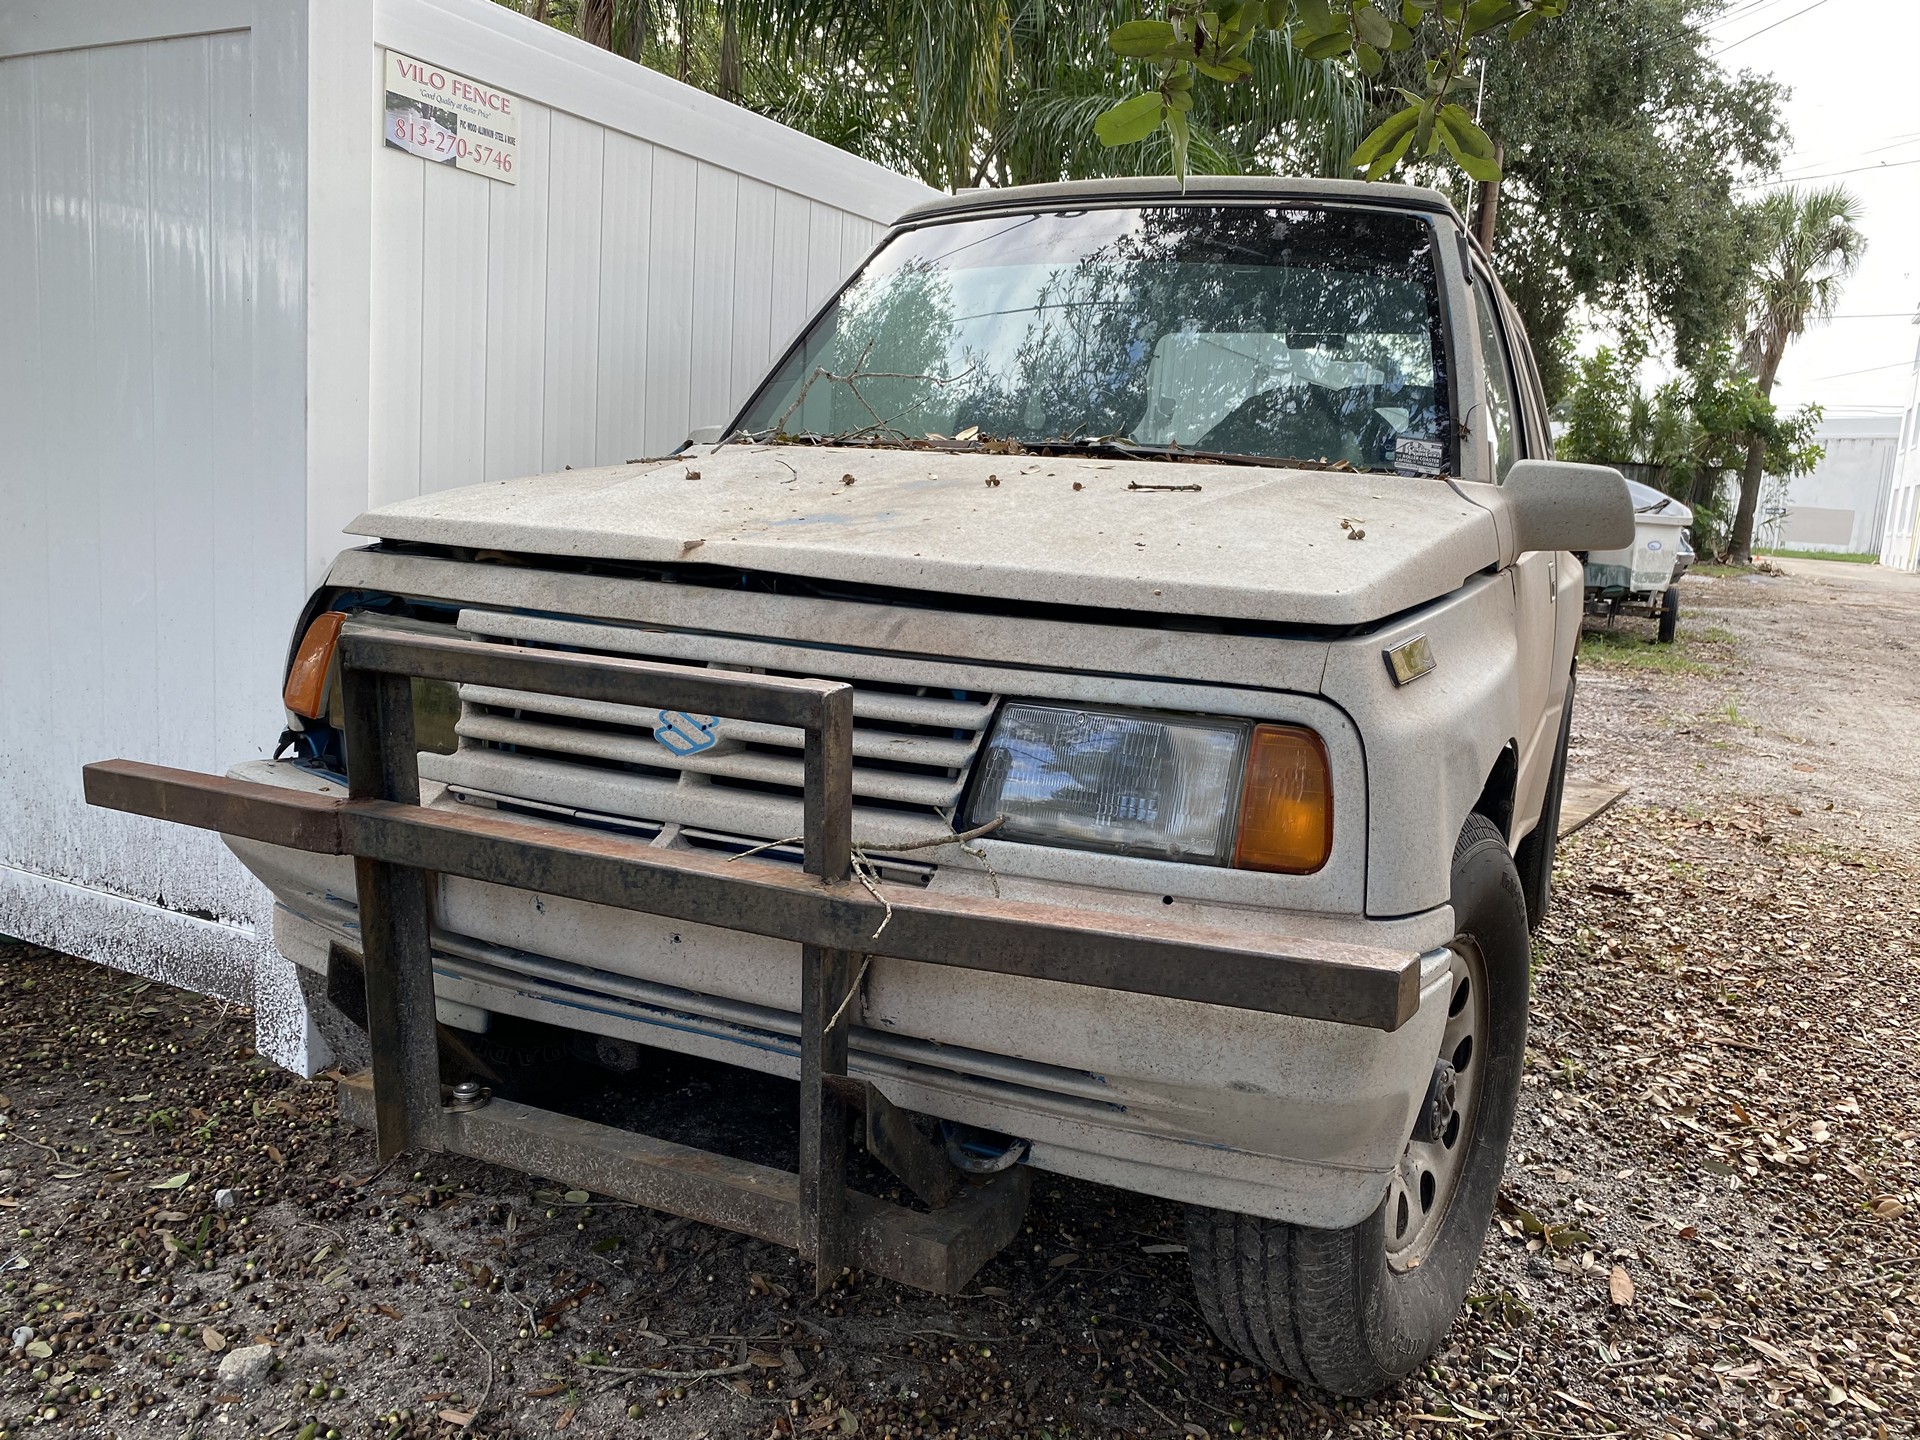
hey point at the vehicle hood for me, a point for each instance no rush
(1259, 543)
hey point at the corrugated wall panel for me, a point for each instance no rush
(25, 537)
(658, 249)
(753, 337)
(146, 526)
(622, 293)
(122, 369)
(398, 269)
(517, 217)
(626, 250)
(453, 329)
(576, 154)
(71, 609)
(183, 414)
(824, 268)
(668, 401)
(716, 235)
(788, 307)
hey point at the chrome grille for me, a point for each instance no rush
(913, 743)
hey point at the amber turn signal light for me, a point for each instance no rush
(1286, 805)
(306, 689)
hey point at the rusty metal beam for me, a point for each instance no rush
(374, 645)
(1318, 979)
(1286, 975)
(939, 1252)
(395, 933)
(300, 820)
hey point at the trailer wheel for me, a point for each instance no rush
(1356, 1310)
(1670, 615)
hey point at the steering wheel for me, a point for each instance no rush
(1301, 422)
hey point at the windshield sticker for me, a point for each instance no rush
(1415, 456)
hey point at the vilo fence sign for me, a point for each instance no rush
(448, 119)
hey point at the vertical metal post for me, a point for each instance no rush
(825, 976)
(395, 931)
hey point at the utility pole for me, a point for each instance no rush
(1487, 214)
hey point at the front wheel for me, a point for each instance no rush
(1355, 1310)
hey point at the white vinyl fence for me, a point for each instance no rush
(232, 317)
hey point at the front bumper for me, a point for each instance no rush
(1267, 1114)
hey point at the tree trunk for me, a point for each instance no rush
(1740, 545)
(596, 23)
(728, 80)
(1489, 212)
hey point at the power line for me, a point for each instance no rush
(1871, 369)
(1901, 143)
(1742, 12)
(1829, 174)
(1735, 44)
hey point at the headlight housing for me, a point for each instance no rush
(1201, 791)
(312, 690)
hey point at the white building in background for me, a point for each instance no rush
(1900, 543)
(1841, 504)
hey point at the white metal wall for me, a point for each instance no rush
(658, 246)
(151, 458)
(230, 320)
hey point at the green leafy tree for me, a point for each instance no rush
(1601, 412)
(1625, 147)
(1810, 242)
(1207, 41)
(1692, 434)
(975, 91)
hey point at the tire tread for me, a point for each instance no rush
(1281, 1295)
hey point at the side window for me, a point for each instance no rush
(1502, 415)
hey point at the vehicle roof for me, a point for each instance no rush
(1258, 189)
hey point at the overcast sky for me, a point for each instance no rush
(1850, 65)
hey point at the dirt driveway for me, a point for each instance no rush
(1708, 1225)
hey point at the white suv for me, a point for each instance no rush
(1192, 554)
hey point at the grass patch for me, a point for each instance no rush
(1625, 650)
(1845, 557)
(1718, 571)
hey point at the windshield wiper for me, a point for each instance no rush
(1136, 450)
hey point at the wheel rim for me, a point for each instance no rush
(1429, 1172)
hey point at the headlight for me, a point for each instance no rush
(312, 689)
(1209, 792)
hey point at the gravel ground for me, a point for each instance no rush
(1708, 1223)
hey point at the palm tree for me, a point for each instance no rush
(971, 92)
(1810, 242)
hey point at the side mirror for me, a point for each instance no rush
(1558, 505)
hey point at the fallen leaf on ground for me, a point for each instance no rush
(1620, 1286)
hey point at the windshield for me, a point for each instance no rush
(1285, 332)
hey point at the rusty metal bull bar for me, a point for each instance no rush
(398, 844)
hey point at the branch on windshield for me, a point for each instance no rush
(852, 381)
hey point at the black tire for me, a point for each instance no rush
(1534, 858)
(1670, 615)
(1327, 1306)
